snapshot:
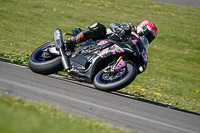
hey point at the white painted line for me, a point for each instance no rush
(53, 94)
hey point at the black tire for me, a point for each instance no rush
(47, 66)
(126, 79)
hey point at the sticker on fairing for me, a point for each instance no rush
(102, 43)
(112, 50)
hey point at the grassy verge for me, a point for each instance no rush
(19, 116)
(173, 71)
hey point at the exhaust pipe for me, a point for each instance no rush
(58, 37)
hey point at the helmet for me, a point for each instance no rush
(147, 29)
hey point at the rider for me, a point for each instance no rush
(141, 35)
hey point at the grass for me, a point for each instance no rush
(19, 116)
(172, 75)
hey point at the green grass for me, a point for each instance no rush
(172, 75)
(19, 116)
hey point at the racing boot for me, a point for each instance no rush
(72, 41)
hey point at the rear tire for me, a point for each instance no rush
(46, 66)
(101, 82)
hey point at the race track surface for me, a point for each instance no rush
(180, 2)
(78, 98)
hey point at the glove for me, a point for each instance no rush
(127, 27)
(119, 31)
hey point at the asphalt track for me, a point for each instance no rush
(180, 2)
(82, 99)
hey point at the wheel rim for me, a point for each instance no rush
(38, 55)
(108, 78)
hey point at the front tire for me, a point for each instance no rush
(122, 78)
(39, 64)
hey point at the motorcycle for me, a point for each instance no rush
(110, 63)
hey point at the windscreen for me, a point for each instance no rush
(145, 42)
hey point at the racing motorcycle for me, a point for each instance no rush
(110, 63)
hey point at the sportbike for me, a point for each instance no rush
(110, 63)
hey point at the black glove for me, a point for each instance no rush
(127, 27)
(115, 27)
(119, 30)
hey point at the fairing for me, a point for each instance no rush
(98, 59)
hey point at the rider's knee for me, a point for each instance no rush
(95, 31)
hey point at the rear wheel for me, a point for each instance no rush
(43, 62)
(114, 81)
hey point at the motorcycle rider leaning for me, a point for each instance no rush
(142, 35)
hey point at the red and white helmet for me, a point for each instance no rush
(147, 29)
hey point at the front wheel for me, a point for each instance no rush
(116, 80)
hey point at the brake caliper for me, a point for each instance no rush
(119, 65)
